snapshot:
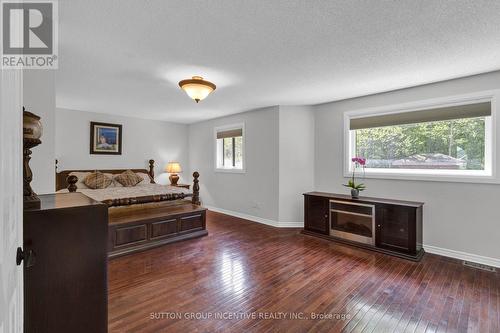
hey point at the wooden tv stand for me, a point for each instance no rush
(389, 226)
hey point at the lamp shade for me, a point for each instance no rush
(173, 167)
(197, 88)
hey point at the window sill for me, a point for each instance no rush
(230, 170)
(470, 177)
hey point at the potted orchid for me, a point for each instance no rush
(355, 188)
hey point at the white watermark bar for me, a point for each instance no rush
(248, 316)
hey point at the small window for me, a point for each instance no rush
(229, 148)
(452, 140)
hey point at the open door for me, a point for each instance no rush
(11, 227)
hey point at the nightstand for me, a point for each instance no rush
(182, 185)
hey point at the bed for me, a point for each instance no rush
(144, 216)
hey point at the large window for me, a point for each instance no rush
(229, 148)
(452, 140)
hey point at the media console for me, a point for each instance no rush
(390, 226)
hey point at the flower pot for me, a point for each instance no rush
(354, 193)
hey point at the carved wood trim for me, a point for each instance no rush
(145, 199)
(196, 189)
(152, 170)
(71, 180)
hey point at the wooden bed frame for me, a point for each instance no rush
(64, 180)
(140, 223)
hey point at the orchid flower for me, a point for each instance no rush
(357, 161)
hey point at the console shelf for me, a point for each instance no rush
(396, 228)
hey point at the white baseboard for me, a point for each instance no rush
(462, 255)
(298, 224)
(257, 219)
(428, 248)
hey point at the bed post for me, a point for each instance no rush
(196, 189)
(152, 170)
(71, 180)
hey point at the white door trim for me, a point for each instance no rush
(11, 221)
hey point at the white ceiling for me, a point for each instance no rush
(125, 57)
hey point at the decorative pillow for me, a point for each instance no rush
(128, 178)
(97, 180)
(114, 183)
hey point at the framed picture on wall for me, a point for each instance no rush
(105, 139)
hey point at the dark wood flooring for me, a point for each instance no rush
(248, 269)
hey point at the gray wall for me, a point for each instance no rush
(254, 192)
(457, 216)
(142, 140)
(296, 162)
(279, 153)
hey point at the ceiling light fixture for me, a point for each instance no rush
(197, 88)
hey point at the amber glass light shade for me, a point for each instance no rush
(197, 88)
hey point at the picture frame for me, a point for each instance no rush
(105, 138)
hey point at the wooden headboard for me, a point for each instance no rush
(62, 183)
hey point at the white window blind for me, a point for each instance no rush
(422, 116)
(229, 133)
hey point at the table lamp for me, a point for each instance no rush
(173, 168)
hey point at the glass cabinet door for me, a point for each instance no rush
(393, 224)
(316, 214)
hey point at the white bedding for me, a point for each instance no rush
(129, 192)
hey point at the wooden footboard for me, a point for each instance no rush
(138, 228)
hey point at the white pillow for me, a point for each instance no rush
(145, 178)
(81, 177)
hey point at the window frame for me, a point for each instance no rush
(243, 150)
(489, 175)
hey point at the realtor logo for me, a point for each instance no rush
(29, 34)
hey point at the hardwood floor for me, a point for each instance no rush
(245, 268)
